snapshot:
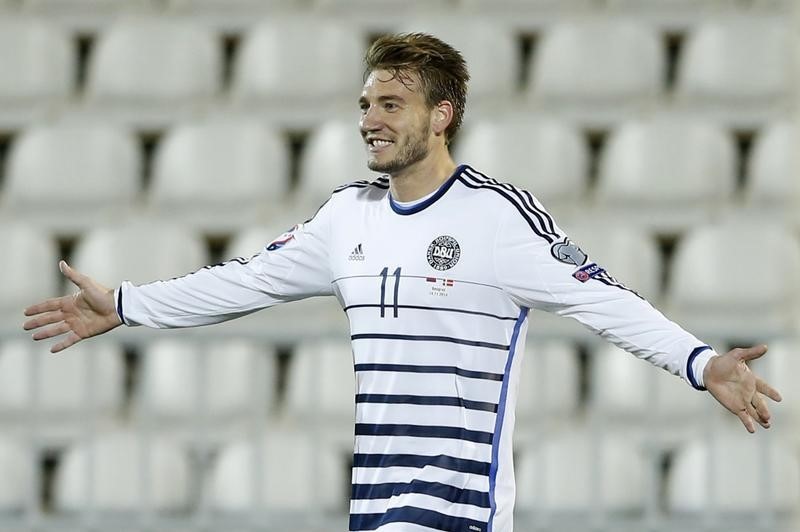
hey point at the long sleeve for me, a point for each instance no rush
(547, 271)
(294, 266)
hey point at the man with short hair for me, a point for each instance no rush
(437, 267)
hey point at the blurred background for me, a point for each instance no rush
(141, 139)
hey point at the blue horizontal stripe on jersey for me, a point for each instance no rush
(423, 431)
(425, 400)
(434, 489)
(408, 368)
(441, 461)
(437, 309)
(417, 516)
(421, 338)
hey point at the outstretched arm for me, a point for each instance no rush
(89, 312)
(738, 389)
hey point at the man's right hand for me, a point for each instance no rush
(89, 312)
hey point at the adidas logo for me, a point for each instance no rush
(357, 254)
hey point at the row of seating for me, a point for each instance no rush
(220, 174)
(568, 473)
(160, 67)
(234, 383)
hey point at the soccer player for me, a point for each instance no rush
(437, 267)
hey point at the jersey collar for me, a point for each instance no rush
(417, 207)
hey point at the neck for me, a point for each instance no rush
(422, 177)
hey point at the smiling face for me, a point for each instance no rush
(395, 122)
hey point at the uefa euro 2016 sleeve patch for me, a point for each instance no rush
(588, 272)
(282, 240)
(568, 252)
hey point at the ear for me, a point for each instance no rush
(441, 117)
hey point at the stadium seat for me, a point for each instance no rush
(738, 477)
(86, 381)
(334, 154)
(612, 246)
(489, 49)
(549, 384)
(773, 173)
(737, 60)
(220, 175)
(36, 69)
(597, 66)
(627, 391)
(320, 384)
(140, 252)
(30, 259)
(567, 475)
(266, 73)
(151, 71)
(16, 476)
(223, 381)
(72, 175)
(296, 473)
(736, 279)
(121, 472)
(666, 174)
(547, 158)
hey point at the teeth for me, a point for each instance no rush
(380, 143)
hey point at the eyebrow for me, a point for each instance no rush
(385, 98)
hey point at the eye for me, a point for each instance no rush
(390, 106)
(363, 106)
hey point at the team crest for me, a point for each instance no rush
(443, 253)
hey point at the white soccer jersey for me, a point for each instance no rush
(438, 297)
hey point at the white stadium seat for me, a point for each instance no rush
(548, 158)
(223, 381)
(634, 392)
(549, 384)
(30, 268)
(568, 474)
(321, 384)
(139, 252)
(36, 68)
(736, 279)
(489, 49)
(773, 173)
(735, 475)
(298, 67)
(666, 174)
(16, 476)
(628, 253)
(72, 175)
(121, 472)
(149, 71)
(220, 174)
(737, 60)
(296, 473)
(88, 380)
(613, 62)
(335, 154)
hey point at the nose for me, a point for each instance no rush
(369, 120)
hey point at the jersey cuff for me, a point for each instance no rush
(696, 365)
(118, 300)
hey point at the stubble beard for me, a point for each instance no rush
(413, 151)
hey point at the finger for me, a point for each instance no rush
(53, 330)
(747, 421)
(45, 306)
(69, 341)
(762, 412)
(769, 391)
(44, 319)
(77, 278)
(750, 353)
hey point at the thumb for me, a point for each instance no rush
(73, 275)
(750, 353)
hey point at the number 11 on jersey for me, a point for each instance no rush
(384, 277)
